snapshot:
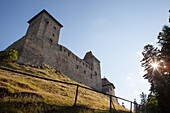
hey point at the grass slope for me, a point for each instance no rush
(24, 94)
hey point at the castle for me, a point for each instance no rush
(40, 45)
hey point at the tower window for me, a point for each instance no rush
(55, 28)
(51, 40)
(96, 73)
(77, 66)
(60, 48)
(84, 72)
(53, 34)
(48, 22)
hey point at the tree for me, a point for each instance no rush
(136, 107)
(157, 66)
(9, 56)
(143, 98)
(164, 90)
(143, 101)
(152, 104)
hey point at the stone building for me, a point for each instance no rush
(108, 87)
(40, 45)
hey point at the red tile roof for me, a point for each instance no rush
(88, 54)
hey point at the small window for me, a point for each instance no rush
(53, 34)
(60, 48)
(83, 64)
(68, 54)
(86, 65)
(95, 73)
(51, 40)
(47, 21)
(55, 28)
(84, 72)
(77, 67)
(64, 50)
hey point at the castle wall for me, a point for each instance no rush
(76, 68)
(41, 46)
(18, 45)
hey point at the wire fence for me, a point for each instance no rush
(112, 108)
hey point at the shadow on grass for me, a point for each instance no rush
(42, 107)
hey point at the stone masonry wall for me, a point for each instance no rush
(40, 45)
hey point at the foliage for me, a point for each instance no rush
(9, 56)
(157, 66)
(152, 104)
(143, 102)
(136, 107)
(143, 98)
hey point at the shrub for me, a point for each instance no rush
(9, 56)
(152, 104)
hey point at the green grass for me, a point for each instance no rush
(24, 94)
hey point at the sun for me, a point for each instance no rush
(155, 65)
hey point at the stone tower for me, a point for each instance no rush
(45, 26)
(95, 63)
(41, 36)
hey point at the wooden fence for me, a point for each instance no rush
(112, 107)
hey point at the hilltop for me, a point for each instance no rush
(22, 93)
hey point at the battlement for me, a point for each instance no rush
(75, 57)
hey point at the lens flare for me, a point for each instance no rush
(155, 65)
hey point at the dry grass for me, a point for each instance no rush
(27, 94)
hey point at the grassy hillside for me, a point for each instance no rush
(20, 93)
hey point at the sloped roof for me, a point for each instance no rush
(89, 55)
(2, 52)
(44, 11)
(105, 82)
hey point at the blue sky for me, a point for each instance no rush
(114, 30)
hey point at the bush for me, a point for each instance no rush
(152, 104)
(9, 56)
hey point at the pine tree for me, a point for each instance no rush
(157, 65)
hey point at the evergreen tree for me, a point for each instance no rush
(136, 108)
(157, 65)
(143, 102)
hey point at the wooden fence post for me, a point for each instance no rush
(110, 103)
(130, 107)
(75, 103)
(139, 108)
(114, 107)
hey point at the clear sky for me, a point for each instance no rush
(114, 30)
